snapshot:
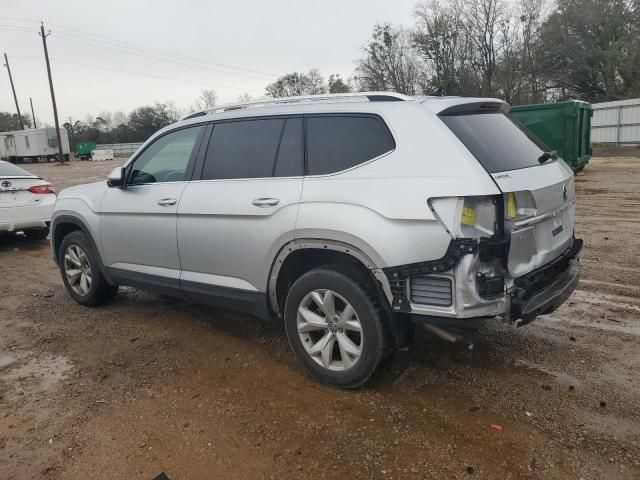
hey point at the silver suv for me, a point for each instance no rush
(350, 217)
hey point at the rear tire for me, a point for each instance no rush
(81, 271)
(36, 233)
(342, 342)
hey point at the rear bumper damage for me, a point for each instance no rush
(470, 282)
(543, 290)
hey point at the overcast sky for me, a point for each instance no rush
(98, 49)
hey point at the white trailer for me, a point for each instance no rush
(36, 144)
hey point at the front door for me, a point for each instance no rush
(138, 222)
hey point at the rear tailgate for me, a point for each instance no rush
(538, 187)
(543, 233)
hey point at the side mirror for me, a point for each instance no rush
(116, 178)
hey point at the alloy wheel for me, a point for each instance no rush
(330, 330)
(77, 270)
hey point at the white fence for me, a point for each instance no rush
(120, 149)
(616, 122)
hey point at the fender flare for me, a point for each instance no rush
(65, 218)
(320, 244)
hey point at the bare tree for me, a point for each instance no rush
(390, 63)
(481, 22)
(296, 84)
(316, 83)
(440, 39)
(244, 98)
(107, 119)
(207, 99)
(120, 118)
(532, 12)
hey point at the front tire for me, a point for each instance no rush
(336, 328)
(81, 271)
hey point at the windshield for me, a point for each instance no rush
(10, 170)
(497, 140)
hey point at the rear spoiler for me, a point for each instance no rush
(473, 108)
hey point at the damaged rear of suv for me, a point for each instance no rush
(512, 254)
(349, 217)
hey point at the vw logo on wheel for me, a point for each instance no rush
(6, 184)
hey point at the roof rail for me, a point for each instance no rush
(307, 99)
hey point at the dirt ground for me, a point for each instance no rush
(147, 384)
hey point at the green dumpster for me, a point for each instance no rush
(84, 149)
(562, 126)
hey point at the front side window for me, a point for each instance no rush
(338, 142)
(243, 149)
(166, 159)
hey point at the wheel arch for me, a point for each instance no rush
(64, 224)
(315, 252)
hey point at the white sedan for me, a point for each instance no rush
(26, 202)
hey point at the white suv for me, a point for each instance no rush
(350, 217)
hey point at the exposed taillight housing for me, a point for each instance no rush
(466, 217)
(42, 189)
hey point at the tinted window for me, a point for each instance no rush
(290, 154)
(10, 170)
(244, 149)
(496, 140)
(335, 143)
(166, 159)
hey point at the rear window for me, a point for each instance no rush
(336, 142)
(10, 170)
(497, 140)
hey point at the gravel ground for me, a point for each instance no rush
(148, 384)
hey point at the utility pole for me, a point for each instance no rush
(15, 99)
(33, 115)
(72, 142)
(53, 96)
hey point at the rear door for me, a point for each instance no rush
(243, 208)
(539, 188)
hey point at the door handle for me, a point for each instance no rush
(165, 202)
(265, 202)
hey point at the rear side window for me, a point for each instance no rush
(497, 141)
(243, 149)
(338, 142)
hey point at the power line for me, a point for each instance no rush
(133, 52)
(162, 77)
(163, 52)
(80, 33)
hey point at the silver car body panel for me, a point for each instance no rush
(230, 237)
(377, 212)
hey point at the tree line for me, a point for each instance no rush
(524, 51)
